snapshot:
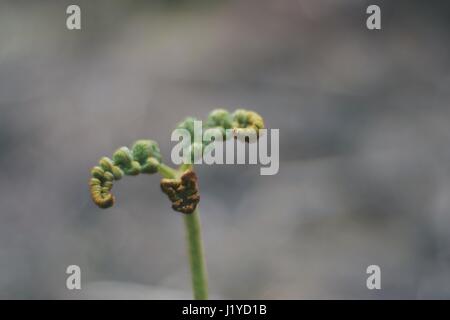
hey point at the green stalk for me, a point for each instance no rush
(166, 171)
(196, 255)
(194, 242)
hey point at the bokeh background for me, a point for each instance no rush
(364, 121)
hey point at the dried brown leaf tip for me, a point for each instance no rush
(100, 193)
(183, 192)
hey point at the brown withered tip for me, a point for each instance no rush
(182, 192)
(248, 135)
(104, 202)
(101, 199)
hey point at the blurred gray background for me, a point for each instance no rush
(364, 121)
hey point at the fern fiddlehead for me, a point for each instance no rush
(144, 157)
(180, 185)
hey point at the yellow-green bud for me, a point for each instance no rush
(134, 169)
(219, 118)
(123, 157)
(150, 166)
(143, 150)
(98, 173)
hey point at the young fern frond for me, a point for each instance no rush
(144, 157)
(180, 185)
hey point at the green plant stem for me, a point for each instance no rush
(167, 172)
(194, 241)
(196, 255)
(185, 167)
